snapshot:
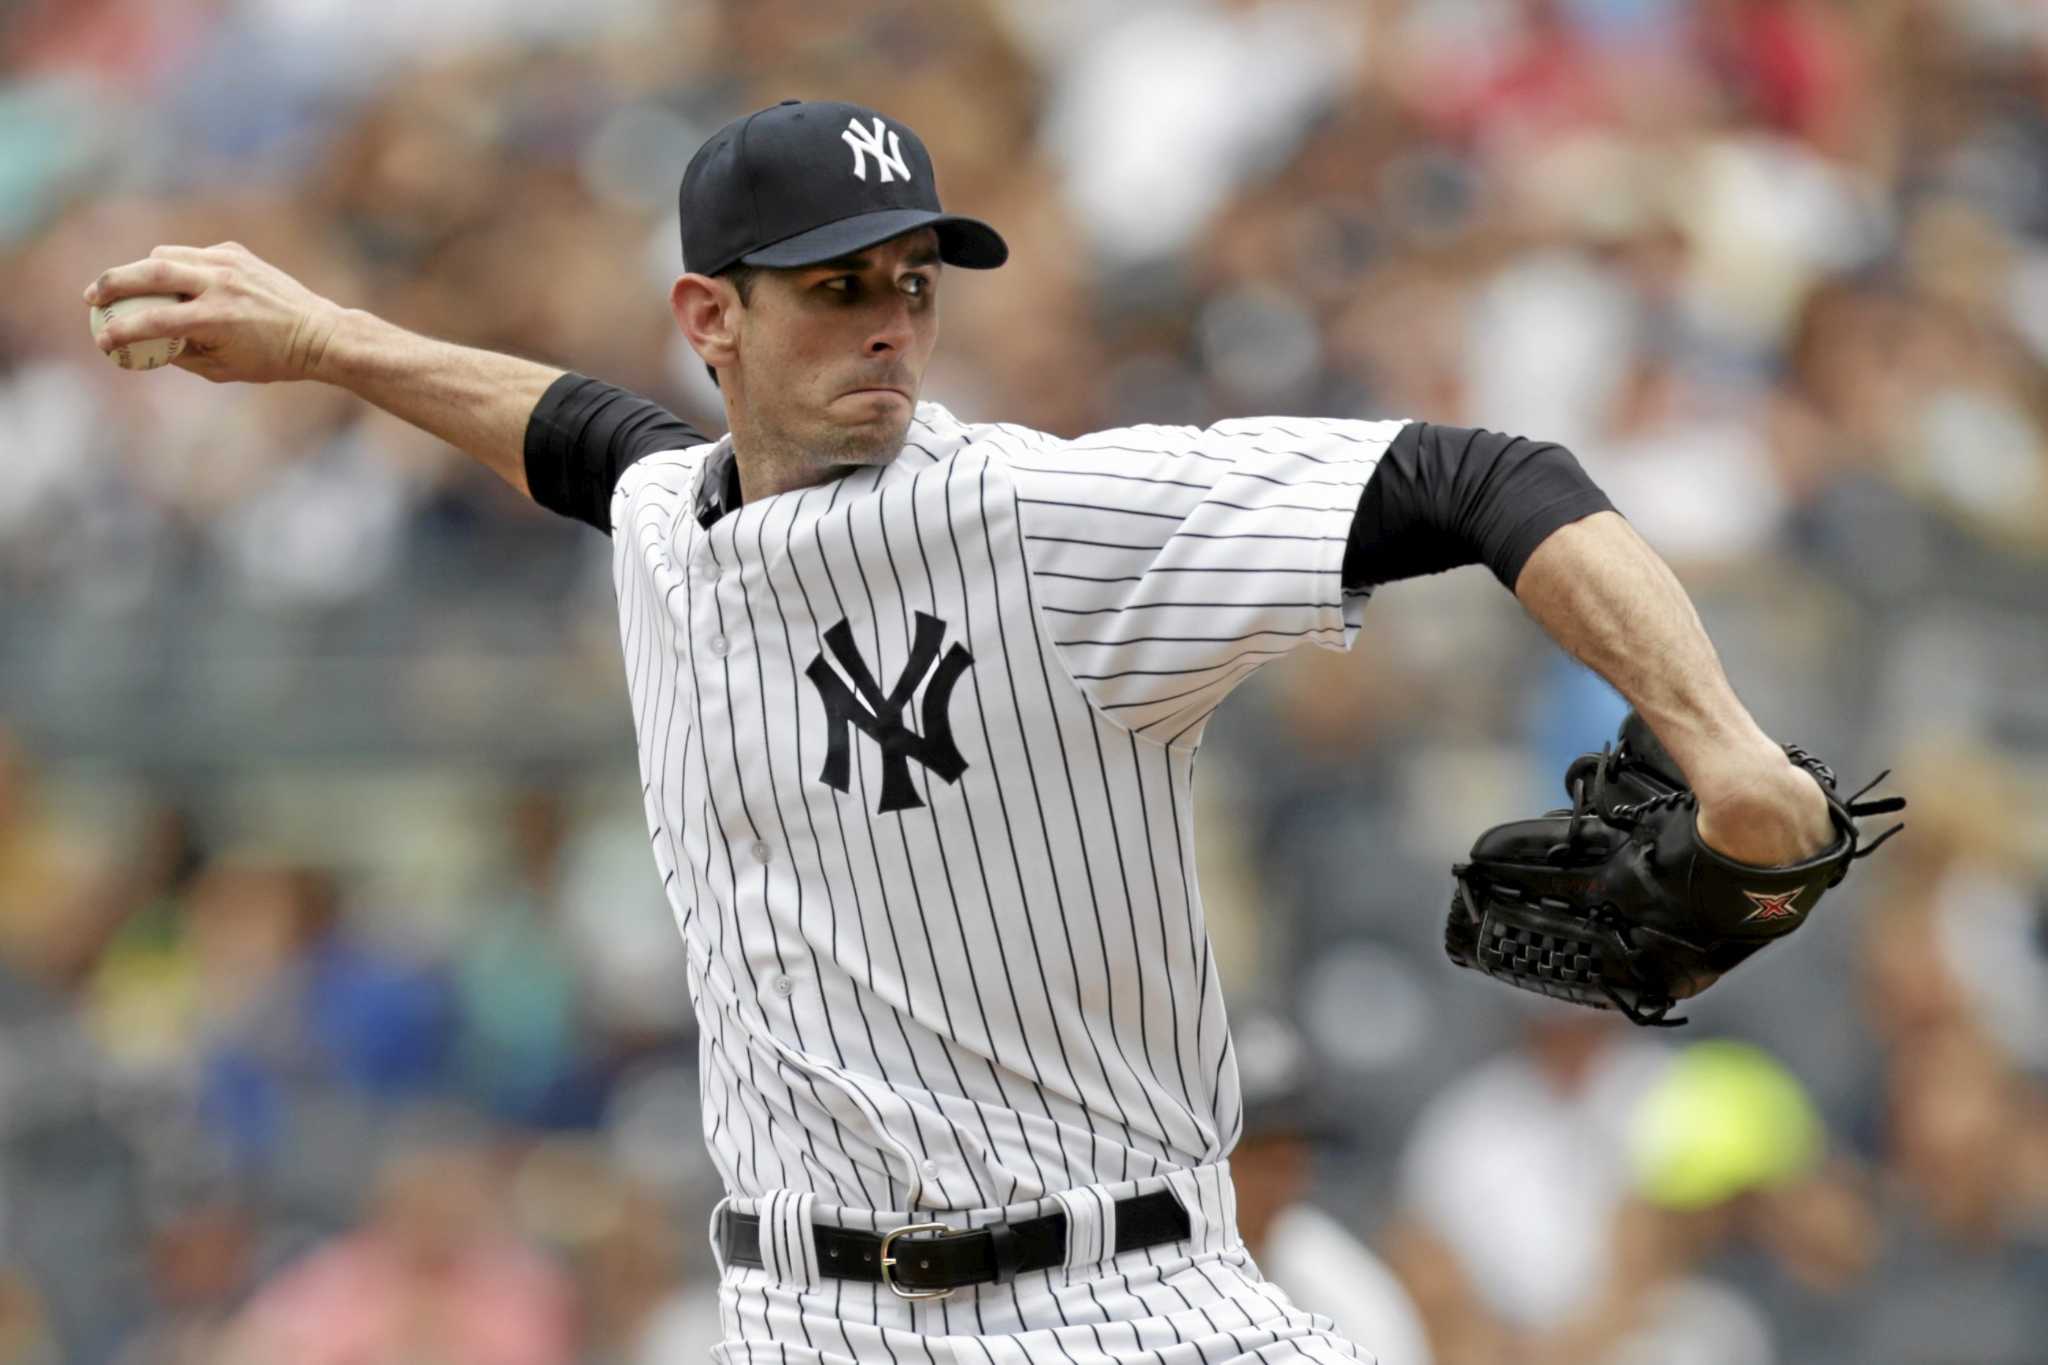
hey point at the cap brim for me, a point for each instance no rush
(966, 242)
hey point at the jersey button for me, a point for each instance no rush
(762, 853)
(716, 644)
(784, 985)
(931, 1167)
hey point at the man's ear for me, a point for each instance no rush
(708, 312)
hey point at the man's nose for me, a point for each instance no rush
(892, 331)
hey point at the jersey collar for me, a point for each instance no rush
(718, 481)
(718, 486)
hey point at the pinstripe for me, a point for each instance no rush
(1080, 825)
(1176, 696)
(1083, 471)
(1172, 979)
(1009, 830)
(1104, 511)
(640, 612)
(1156, 570)
(839, 819)
(1184, 535)
(874, 853)
(731, 900)
(1093, 446)
(981, 868)
(1128, 641)
(989, 1055)
(1116, 841)
(1045, 830)
(1171, 606)
(751, 1098)
(1226, 1066)
(1204, 505)
(779, 1203)
(754, 828)
(1179, 672)
(945, 1038)
(735, 1102)
(768, 731)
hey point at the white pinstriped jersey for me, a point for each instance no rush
(917, 746)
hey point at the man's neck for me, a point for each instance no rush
(758, 479)
(766, 468)
(767, 465)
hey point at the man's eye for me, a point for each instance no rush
(917, 286)
(842, 284)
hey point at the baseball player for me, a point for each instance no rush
(917, 703)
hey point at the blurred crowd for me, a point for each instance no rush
(340, 1013)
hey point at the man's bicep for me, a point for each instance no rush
(1442, 497)
(584, 434)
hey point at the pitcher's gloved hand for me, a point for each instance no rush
(1617, 903)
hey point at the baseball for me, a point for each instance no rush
(140, 355)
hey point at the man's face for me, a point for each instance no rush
(831, 356)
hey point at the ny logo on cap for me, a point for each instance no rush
(863, 141)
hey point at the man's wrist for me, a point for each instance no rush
(339, 345)
(1715, 752)
(1737, 776)
(1776, 815)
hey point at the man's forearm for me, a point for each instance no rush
(245, 321)
(477, 401)
(1604, 595)
(1608, 599)
(1443, 496)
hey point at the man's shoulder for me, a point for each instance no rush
(659, 467)
(663, 477)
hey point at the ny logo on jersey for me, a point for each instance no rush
(881, 718)
(863, 141)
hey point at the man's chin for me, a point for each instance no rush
(876, 440)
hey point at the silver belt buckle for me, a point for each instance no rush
(889, 1241)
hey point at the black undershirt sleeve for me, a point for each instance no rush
(581, 437)
(1446, 496)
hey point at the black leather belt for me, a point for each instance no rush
(931, 1260)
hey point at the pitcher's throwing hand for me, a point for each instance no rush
(241, 318)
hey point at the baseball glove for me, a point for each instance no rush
(1615, 903)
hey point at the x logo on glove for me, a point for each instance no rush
(1773, 907)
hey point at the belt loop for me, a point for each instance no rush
(789, 1247)
(1210, 1199)
(1004, 1252)
(720, 1235)
(1091, 1225)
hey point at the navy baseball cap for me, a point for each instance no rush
(804, 182)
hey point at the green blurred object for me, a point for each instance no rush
(48, 137)
(1725, 1119)
(518, 1001)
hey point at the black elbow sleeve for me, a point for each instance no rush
(1442, 497)
(583, 434)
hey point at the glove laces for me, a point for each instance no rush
(1633, 810)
